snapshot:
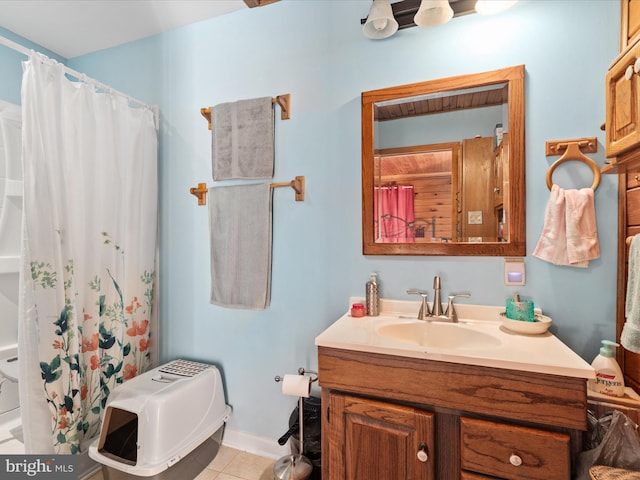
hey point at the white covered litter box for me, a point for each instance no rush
(165, 424)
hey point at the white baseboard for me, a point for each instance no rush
(248, 442)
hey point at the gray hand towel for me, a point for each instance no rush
(240, 227)
(242, 136)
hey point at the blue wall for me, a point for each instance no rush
(315, 51)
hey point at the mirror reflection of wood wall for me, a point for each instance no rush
(432, 170)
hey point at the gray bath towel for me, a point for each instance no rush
(242, 136)
(240, 226)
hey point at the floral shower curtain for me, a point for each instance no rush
(394, 214)
(88, 260)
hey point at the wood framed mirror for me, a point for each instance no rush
(443, 167)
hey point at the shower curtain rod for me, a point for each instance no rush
(80, 76)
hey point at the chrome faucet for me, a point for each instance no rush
(451, 314)
(436, 310)
(424, 306)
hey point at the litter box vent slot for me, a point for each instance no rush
(119, 436)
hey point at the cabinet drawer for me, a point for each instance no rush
(633, 177)
(474, 476)
(513, 452)
(633, 206)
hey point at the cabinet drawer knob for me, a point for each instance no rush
(628, 73)
(515, 460)
(423, 456)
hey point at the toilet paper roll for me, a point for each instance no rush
(296, 385)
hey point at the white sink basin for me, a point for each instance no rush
(477, 339)
(438, 335)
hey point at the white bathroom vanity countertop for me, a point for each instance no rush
(543, 353)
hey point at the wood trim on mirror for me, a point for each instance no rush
(514, 198)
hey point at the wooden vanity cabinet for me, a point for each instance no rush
(472, 422)
(381, 439)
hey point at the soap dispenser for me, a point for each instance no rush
(609, 379)
(372, 299)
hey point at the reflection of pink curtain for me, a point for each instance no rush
(393, 214)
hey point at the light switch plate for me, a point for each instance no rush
(474, 217)
(514, 271)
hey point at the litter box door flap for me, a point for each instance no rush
(172, 417)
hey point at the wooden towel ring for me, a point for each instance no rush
(573, 152)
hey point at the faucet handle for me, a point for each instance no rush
(424, 307)
(451, 310)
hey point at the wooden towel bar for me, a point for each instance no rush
(200, 192)
(283, 100)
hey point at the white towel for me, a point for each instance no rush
(569, 236)
(243, 137)
(582, 233)
(240, 227)
(630, 337)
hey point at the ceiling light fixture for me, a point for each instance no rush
(388, 16)
(380, 23)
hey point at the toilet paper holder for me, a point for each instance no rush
(301, 371)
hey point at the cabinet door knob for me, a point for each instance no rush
(422, 455)
(515, 460)
(628, 73)
(636, 66)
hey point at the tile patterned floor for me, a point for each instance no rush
(232, 464)
(11, 441)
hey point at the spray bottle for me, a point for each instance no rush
(609, 379)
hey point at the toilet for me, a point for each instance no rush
(9, 382)
(165, 424)
(9, 368)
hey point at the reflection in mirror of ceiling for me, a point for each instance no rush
(487, 96)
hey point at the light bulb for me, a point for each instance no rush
(380, 23)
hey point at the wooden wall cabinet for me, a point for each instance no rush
(622, 97)
(629, 22)
(623, 149)
(478, 220)
(472, 422)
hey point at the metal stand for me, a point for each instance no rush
(295, 467)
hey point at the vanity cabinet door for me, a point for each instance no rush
(370, 439)
(514, 452)
(623, 116)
